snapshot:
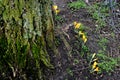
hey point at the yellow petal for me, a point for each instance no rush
(74, 23)
(96, 69)
(85, 40)
(93, 67)
(77, 25)
(95, 59)
(55, 7)
(57, 11)
(81, 33)
(83, 37)
(93, 55)
(94, 64)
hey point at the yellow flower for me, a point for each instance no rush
(55, 7)
(81, 33)
(57, 11)
(94, 65)
(76, 25)
(96, 69)
(84, 38)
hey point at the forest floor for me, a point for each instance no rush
(69, 64)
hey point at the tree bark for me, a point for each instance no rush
(27, 26)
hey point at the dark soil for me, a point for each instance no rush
(69, 46)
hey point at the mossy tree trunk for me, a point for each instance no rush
(26, 31)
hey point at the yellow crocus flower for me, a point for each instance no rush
(76, 25)
(96, 69)
(55, 7)
(94, 65)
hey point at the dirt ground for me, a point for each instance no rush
(65, 66)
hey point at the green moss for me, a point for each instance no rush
(28, 30)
